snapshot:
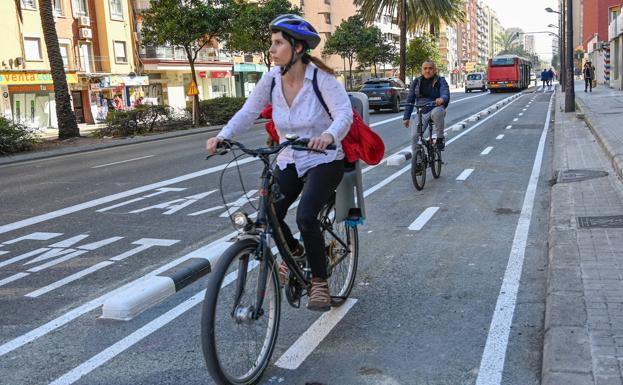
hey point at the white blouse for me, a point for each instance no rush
(305, 118)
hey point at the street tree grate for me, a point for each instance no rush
(605, 222)
(567, 176)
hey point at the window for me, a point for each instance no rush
(327, 18)
(65, 54)
(120, 55)
(80, 7)
(86, 57)
(116, 10)
(32, 46)
(58, 7)
(29, 4)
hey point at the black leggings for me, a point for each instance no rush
(318, 185)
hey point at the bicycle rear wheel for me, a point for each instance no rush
(237, 348)
(418, 167)
(342, 248)
(436, 163)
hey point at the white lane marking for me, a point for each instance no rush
(423, 218)
(127, 342)
(520, 114)
(23, 256)
(12, 278)
(509, 127)
(465, 174)
(91, 305)
(524, 109)
(34, 237)
(486, 151)
(109, 198)
(123, 161)
(206, 211)
(516, 119)
(308, 341)
(158, 192)
(492, 363)
(499, 137)
(68, 279)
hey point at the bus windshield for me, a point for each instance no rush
(502, 61)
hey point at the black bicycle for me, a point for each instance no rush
(425, 152)
(242, 306)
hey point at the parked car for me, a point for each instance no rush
(386, 93)
(475, 81)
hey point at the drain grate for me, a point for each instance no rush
(605, 222)
(568, 176)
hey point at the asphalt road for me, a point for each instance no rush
(424, 306)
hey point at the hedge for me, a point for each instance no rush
(218, 111)
(142, 120)
(15, 137)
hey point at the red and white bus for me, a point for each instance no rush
(508, 72)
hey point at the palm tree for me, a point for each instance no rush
(67, 125)
(509, 41)
(412, 16)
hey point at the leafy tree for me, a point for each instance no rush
(250, 33)
(378, 50)
(412, 16)
(67, 125)
(555, 60)
(348, 39)
(508, 41)
(420, 49)
(190, 24)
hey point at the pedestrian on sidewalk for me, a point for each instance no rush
(589, 75)
(550, 76)
(543, 77)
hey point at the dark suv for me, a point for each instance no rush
(386, 93)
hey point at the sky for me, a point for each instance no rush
(529, 15)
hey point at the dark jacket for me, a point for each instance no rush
(440, 90)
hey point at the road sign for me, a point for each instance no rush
(193, 90)
(470, 66)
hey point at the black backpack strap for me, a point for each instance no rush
(272, 87)
(318, 93)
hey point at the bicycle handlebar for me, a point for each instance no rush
(296, 144)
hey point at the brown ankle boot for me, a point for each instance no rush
(298, 252)
(319, 296)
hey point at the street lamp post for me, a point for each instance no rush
(570, 90)
(561, 44)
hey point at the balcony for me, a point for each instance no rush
(615, 28)
(206, 55)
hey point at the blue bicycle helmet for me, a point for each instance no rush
(297, 28)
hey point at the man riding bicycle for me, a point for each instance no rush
(429, 87)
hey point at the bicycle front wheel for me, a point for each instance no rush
(418, 167)
(237, 348)
(342, 249)
(436, 163)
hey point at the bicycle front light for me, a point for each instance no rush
(241, 221)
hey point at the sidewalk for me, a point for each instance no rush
(583, 341)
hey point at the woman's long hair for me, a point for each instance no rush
(307, 58)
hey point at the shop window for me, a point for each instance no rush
(120, 54)
(116, 10)
(29, 4)
(32, 48)
(64, 54)
(80, 7)
(57, 6)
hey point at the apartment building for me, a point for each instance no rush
(95, 39)
(467, 41)
(495, 29)
(482, 34)
(613, 55)
(448, 49)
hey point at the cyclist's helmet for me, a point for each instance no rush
(297, 28)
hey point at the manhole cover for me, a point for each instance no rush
(567, 176)
(605, 222)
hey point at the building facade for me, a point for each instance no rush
(613, 55)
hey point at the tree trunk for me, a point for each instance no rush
(67, 125)
(191, 61)
(267, 59)
(350, 73)
(402, 20)
(375, 74)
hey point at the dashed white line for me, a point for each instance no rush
(520, 114)
(123, 161)
(486, 151)
(499, 137)
(423, 218)
(516, 119)
(465, 174)
(308, 341)
(509, 127)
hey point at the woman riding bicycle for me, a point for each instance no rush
(297, 110)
